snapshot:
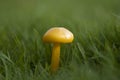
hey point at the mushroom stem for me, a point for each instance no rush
(55, 57)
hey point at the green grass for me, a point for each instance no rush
(93, 55)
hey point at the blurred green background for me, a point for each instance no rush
(57, 12)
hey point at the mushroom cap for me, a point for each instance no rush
(58, 35)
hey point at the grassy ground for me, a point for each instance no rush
(93, 55)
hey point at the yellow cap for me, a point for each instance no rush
(58, 35)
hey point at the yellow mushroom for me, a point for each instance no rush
(56, 36)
